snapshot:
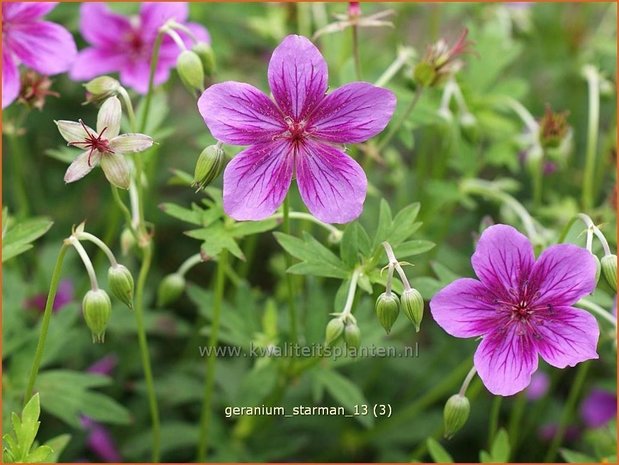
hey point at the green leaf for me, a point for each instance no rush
(346, 393)
(193, 215)
(438, 452)
(349, 245)
(571, 456)
(57, 445)
(384, 224)
(403, 225)
(258, 384)
(246, 228)
(316, 259)
(500, 447)
(414, 247)
(18, 238)
(40, 455)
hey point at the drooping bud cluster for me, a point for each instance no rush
(207, 57)
(412, 306)
(97, 308)
(121, 284)
(190, 70)
(209, 166)
(387, 309)
(344, 325)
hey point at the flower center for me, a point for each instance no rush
(93, 142)
(296, 129)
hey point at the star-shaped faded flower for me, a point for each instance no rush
(299, 134)
(521, 307)
(104, 146)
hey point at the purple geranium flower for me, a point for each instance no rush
(43, 46)
(521, 307)
(295, 136)
(100, 441)
(64, 296)
(598, 408)
(125, 45)
(540, 382)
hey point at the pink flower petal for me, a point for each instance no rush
(102, 27)
(503, 259)
(198, 31)
(332, 185)
(13, 12)
(257, 179)
(10, 78)
(43, 46)
(237, 113)
(567, 336)
(92, 62)
(505, 361)
(564, 273)
(465, 309)
(81, 166)
(297, 76)
(135, 74)
(353, 113)
(153, 15)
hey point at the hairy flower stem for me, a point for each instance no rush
(335, 232)
(494, 419)
(190, 263)
(99, 243)
(568, 411)
(151, 80)
(396, 127)
(465, 384)
(211, 358)
(94, 285)
(591, 227)
(404, 54)
(292, 312)
(597, 310)
(588, 188)
(394, 263)
(352, 289)
(47, 316)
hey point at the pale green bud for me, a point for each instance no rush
(205, 52)
(412, 306)
(455, 414)
(598, 268)
(101, 88)
(190, 70)
(170, 289)
(209, 166)
(609, 269)
(127, 241)
(96, 308)
(387, 310)
(121, 284)
(334, 330)
(352, 335)
(424, 74)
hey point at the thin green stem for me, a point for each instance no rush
(404, 54)
(190, 263)
(151, 80)
(220, 281)
(99, 243)
(465, 384)
(494, 419)
(47, 316)
(355, 51)
(396, 127)
(19, 176)
(125, 211)
(538, 183)
(94, 285)
(129, 107)
(148, 375)
(352, 288)
(597, 310)
(568, 411)
(335, 232)
(588, 188)
(292, 311)
(515, 419)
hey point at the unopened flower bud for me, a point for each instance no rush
(101, 88)
(598, 268)
(352, 335)
(609, 269)
(455, 414)
(553, 128)
(334, 330)
(170, 289)
(127, 241)
(209, 166)
(121, 284)
(387, 310)
(190, 70)
(412, 306)
(207, 57)
(97, 307)
(424, 74)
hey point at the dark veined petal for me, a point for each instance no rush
(25, 11)
(563, 274)
(332, 184)
(298, 76)
(257, 179)
(566, 336)
(237, 113)
(10, 78)
(353, 113)
(503, 259)
(465, 308)
(505, 361)
(81, 166)
(103, 28)
(92, 62)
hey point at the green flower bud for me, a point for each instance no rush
(205, 52)
(97, 307)
(609, 269)
(424, 74)
(598, 268)
(190, 70)
(352, 335)
(334, 330)
(121, 284)
(412, 306)
(455, 414)
(170, 289)
(101, 88)
(209, 166)
(387, 310)
(127, 241)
